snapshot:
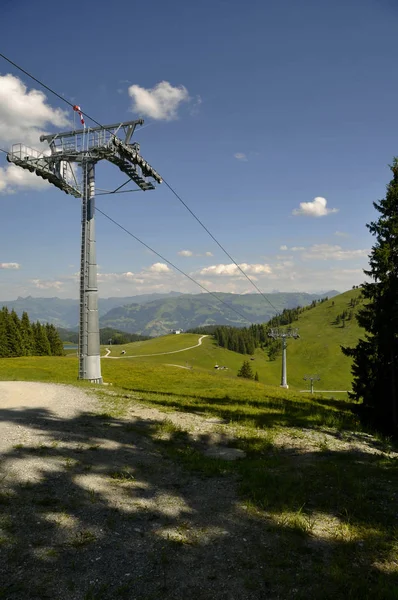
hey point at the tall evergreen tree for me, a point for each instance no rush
(42, 345)
(4, 349)
(13, 333)
(56, 345)
(27, 334)
(375, 358)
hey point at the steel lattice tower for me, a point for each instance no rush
(84, 148)
(284, 334)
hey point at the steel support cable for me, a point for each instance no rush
(218, 244)
(173, 265)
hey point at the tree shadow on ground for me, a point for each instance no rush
(95, 507)
(263, 413)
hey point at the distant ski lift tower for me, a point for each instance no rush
(283, 335)
(85, 147)
(311, 378)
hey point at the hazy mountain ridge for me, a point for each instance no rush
(64, 312)
(157, 314)
(160, 316)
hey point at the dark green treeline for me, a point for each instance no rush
(20, 337)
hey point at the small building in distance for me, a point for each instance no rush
(176, 331)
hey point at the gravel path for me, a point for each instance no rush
(157, 353)
(92, 508)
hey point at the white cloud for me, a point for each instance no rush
(159, 268)
(316, 208)
(13, 178)
(11, 265)
(25, 115)
(283, 248)
(297, 248)
(209, 254)
(128, 276)
(42, 284)
(241, 156)
(195, 106)
(160, 103)
(185, 253)
(328, 252)
(232, 270)
(341, 234)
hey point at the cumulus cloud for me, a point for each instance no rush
(232, 270)
(160, 102)
(241, 156)
(185, 253)
(13, 178)
(42, 284)
(25, 114)
(10, 265)
(127, 276)
(297, 248)
(316, 208)
(209, 254)
(159, 268)
(283, 248)
(328, 252)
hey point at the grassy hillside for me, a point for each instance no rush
(203, 357)
(316, 352)
(319, 348)
(188, 311)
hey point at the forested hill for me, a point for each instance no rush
(188, 311)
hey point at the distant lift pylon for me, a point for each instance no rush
(84, 148)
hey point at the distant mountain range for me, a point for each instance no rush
(65, 312)
(157, 314)
(183, 312)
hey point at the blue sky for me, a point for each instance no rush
(267, 106)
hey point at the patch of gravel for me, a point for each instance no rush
(207, 435)
(213, 433)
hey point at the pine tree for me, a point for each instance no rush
(27, 335)
(42, 345)
(256, 377)
(4, 349)
(246, 370)
(13, 333)
(241, 345)
(56, 345)
(375, 358)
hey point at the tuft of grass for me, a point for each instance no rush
(122, 476)
(70, 463)
(83, 538)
